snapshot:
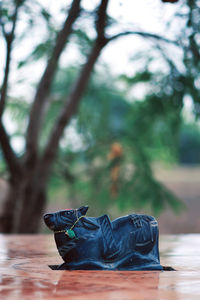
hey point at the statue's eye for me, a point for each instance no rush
(67, 212)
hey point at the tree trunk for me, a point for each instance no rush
(29, 216)
(8, 207)
(27, 197)
(24, 205)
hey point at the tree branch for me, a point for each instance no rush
(10, 156)
(170, 1)
(77, 91)
(101, 19)
(5, 80)
(143, 34)
(69, 109)
(168, 59)
(40, 99)
(9, 37)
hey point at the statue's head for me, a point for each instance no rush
(64, 219)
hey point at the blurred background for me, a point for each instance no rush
(100, 106)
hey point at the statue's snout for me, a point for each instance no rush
(47, 216)
(48, 219)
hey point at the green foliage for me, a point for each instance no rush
(83, 41)
(139, 77)
(189, 39)
(146, 130)
(40, 51)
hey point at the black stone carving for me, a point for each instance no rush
(87, 243)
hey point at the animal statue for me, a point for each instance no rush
(87, 243)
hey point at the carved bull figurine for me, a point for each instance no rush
(88, 243)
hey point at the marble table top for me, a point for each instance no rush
(24, 273)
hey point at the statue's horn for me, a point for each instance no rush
(83, 209)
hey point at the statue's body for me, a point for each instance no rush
(86, 243)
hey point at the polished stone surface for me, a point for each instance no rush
(24, 273)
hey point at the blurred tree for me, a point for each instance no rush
(29, 173)
(28, 176)
(118, 141)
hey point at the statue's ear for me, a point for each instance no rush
(83, 210)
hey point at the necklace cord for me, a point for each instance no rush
(71, 228)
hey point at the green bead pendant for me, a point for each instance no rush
(70, 233)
